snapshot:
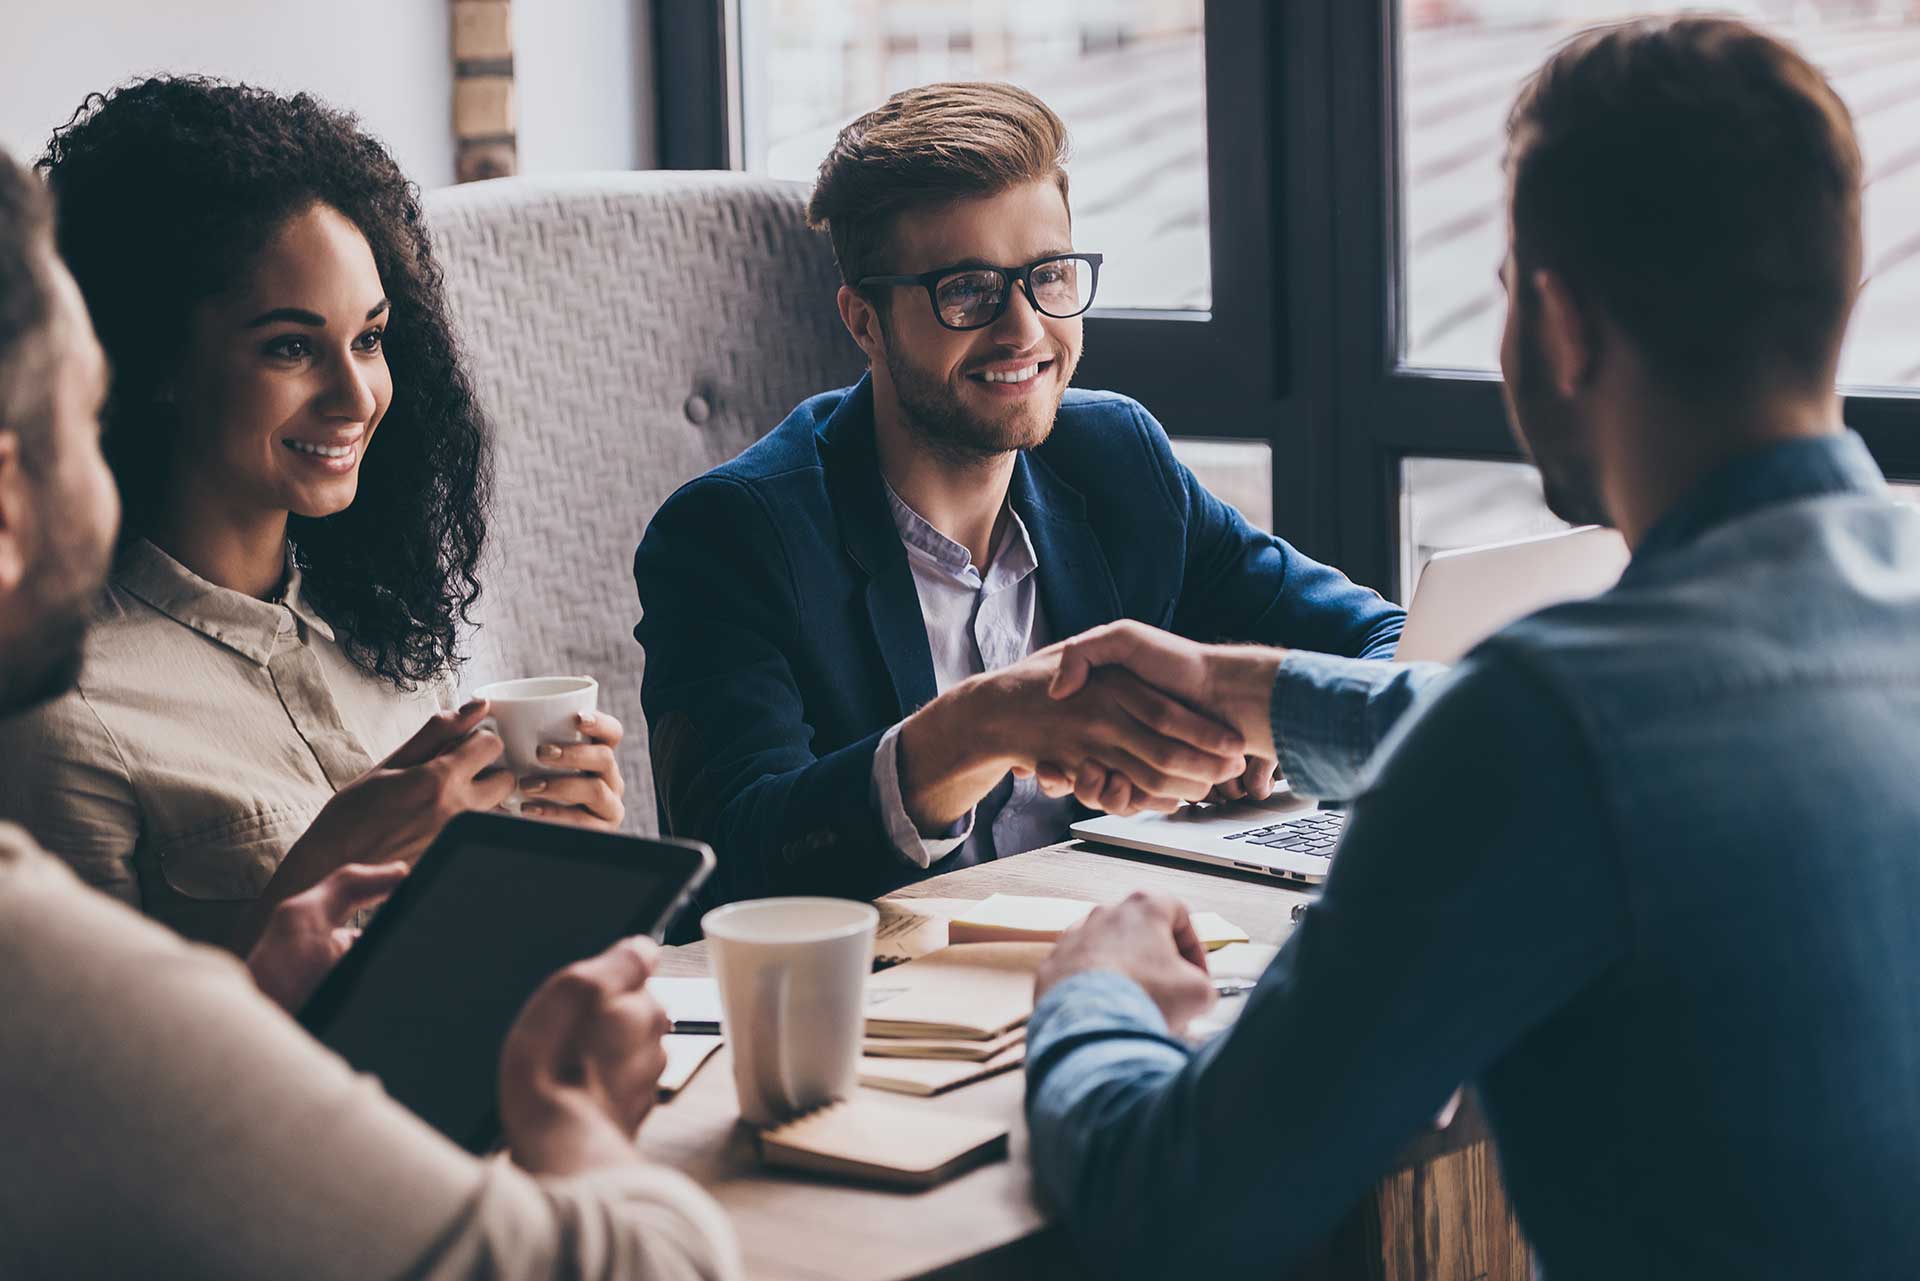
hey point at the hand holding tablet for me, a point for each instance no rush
(495, 908)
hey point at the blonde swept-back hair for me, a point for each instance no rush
(927, 146)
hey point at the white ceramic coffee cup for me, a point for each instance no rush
(793, 986)
(539, 709)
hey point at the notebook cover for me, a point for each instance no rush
(975, 991)
(883, 1142)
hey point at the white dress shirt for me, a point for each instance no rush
(975, 623)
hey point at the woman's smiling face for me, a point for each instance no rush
(284, 378)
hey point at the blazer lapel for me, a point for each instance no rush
(867, 529)
(1076, 583)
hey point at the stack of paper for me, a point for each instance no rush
(936, 1076)
(905, 1047)
(1013, 918)
(971, 992)
(950, 1017)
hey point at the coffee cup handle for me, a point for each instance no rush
(770, 1018)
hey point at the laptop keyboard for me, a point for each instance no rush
(1316, 833)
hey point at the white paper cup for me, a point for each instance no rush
(793, 986)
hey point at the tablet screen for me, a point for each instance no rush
(426, 998)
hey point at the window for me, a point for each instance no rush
(1127, 76)
(1448, 504)
(1301, 205)
(1461, 63)
(1237, 472)
(1451, 503)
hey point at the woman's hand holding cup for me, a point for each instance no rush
(560, 748)
(590, 795)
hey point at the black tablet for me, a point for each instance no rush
(424, 1000)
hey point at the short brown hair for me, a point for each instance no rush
(1699, 181)
(926, 146)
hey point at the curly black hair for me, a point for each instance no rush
(166, 191)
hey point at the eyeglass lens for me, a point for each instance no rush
(1062, 287)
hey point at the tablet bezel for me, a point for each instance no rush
(527, 835)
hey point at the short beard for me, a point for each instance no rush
(1546, 429)
(45, 664)
(940, 423)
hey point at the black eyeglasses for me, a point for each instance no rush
(974, 297)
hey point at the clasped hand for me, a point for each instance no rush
(956, 748)
(1231, 685)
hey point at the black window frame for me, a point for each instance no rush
(1389, 410)
(1302, 346)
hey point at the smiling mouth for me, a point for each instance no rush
(1026, 373)
(319, 451)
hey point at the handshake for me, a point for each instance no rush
(1124, 717)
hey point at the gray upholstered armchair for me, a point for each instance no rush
(625, 332)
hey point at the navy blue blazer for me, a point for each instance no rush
(783, 633)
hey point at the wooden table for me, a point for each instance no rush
(1439, 1214)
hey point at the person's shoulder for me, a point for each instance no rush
(787, 456)
(1577, 640)
(792, 446)
(127, 640)
(1087, 410)
(1102, 440)
(1492, 722)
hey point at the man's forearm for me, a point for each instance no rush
(949, 758)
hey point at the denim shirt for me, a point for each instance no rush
(1645, 869)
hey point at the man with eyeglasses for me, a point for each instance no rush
(847, 627)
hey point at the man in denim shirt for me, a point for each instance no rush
(1645, 869)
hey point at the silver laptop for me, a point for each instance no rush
(1462, 598)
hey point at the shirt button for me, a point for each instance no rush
(286, 622)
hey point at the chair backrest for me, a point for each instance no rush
(625, 332)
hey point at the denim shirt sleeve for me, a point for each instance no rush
(1443, 936)
(1331, 714)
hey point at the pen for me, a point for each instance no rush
(1234, 987)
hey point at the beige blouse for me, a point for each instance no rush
(162, 1119)
(207, 730)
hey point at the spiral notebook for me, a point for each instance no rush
(877, 1142)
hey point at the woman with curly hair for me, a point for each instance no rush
(304, 471)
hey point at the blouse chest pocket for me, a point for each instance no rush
(231, 858)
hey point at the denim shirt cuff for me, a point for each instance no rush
(1097, 1003)
(1331, 713)
(918, 848)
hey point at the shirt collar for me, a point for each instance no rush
(1808, 468)
(242, 623)
(1013, 559)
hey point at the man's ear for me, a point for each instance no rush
(16, 503)
(1567, 342)
(862, 320)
